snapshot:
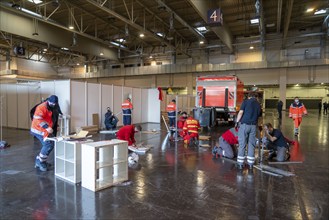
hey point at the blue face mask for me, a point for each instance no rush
(296, 100)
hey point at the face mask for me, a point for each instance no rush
(296, 100)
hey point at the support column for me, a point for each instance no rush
(283, 86)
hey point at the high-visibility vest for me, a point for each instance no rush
(171, 107)
(126, 105)
(191, 125)
(297, 110)
(42, 119)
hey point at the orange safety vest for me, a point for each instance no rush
(171, 107)
(297, 110)
(126, 105)
(191, 125)
(41, 119)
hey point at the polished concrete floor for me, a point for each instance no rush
(174, 182)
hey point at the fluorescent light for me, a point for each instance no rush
(159, 34)
(321, 11)
(65, 48)
(254, 21)
(251, 47)
(117, 44)
(202, 28)
(201, 42)
(121, 40)
(35, 1)
(310, 10)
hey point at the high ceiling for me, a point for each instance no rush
(168, 25)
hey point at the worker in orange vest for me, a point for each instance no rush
(41, 128)
(296, 112)
(127, 107)
(171, 110)
(191, 127)
(181, 122)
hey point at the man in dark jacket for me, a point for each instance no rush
(279, 108)
(111, 120)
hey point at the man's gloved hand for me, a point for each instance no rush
(49, 130)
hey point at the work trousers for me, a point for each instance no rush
(297, 122)
(247, 134)
(47, 146)
(280, 151)
(172, 119)
(126, 119)
(190, 135)
(225, 149)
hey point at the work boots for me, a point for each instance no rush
(41, 165)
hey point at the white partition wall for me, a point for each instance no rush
(23, 111)
(145, 105)
(77, 99)
(107, 101)
(93, 101)
(137, 112)
(3, 104)
(12, 106)
(153, 106)
(78, 105)
(117, 101)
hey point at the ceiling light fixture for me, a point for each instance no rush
(201, 42)
(310, 10)
(251, 47)
(35, 1)
(202, 29)
(320, 12)
(101, 54)
(141, 35)
(254, 21)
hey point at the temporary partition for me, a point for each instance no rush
(79, 100)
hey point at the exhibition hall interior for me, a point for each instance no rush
(164, 109)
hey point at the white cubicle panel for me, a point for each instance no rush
(3, 104)
(23, 111)
(12, 105)
(93, 101)
(107, 101)
(47, 89)
(117, 101)
(62, 91)
(153, 106)
(78, 105)
(144, 116)
(137, 112)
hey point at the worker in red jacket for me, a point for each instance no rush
(127, 133)
(226, 145)
(180, 123)
(190, 128)
(296, 111)
(41, 128)
(127, 107)
(171, 110)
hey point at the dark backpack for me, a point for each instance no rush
(33, 110)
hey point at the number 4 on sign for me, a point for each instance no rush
(214, 16)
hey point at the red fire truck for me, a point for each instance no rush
(221, 95)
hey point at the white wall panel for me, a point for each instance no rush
(12, 105)
(145, 105)
(62, 91)
(78, 105)
(138, 108)
(34, 97)
(106, 101)
(23, 110)
(117, 101)
(153, 106)
(3, 104)
(47, 89)
(93, 101)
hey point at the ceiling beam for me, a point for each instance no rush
(278, 20)
(202, 7)
(290, 3)
(129, 22)
(182, 21)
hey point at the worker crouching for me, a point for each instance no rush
(191, 127)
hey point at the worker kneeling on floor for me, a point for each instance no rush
(226, 145)
(276, 143)
(190, 128)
